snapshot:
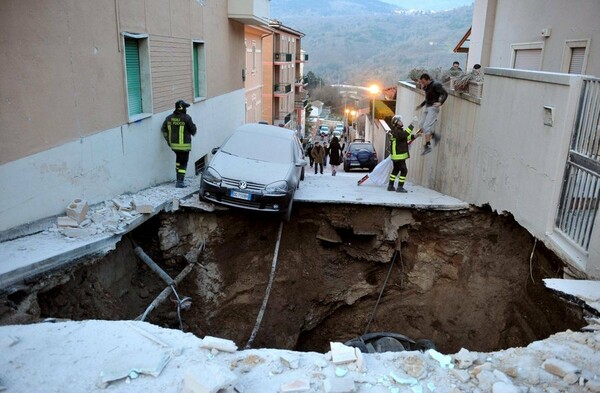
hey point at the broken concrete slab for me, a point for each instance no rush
(290, 360)
(328, 233)
(66, 221)
(341, 353)
(220, 344)
(207, 378)
(586, 290)
(123, 363)
(77, 232)
(464, 358)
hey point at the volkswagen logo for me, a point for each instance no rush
(243, 185)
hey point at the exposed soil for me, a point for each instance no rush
(461, 279)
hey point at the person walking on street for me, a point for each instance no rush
(399, 138)
(326, 148)
(435, 96)
(178, 129)
(335, 154)
(318, 154)
(309, 148)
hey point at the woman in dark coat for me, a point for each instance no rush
(335, 154)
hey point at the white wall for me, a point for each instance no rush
(499, 152)
(115, 161)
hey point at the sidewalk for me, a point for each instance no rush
(29, 256)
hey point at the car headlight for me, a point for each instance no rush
(278, 187)
(210, 175)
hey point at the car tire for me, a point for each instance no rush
(288, 213)
(371, 169)
(301, 176)
(346, 168)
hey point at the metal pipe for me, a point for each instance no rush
(157, 269)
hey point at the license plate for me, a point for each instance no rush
(241, 195)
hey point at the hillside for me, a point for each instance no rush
(364, 41)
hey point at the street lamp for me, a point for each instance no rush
(374, 89)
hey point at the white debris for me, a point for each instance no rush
(220, 344)
(443, 360)
(341, 353)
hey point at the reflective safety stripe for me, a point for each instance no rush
(392, 177)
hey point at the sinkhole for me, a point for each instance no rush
(469, 278)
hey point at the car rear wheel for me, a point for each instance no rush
(301, 176)
(346, 168)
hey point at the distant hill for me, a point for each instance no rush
(364, 41)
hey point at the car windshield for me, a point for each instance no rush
(360, 146)
(259, 147)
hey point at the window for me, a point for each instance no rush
(137, 75)
(527, 56)
(253, 57)
(575, 56)
(199, 67)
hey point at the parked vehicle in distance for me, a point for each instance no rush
(360, 155)
(259, 167)
(339, 128)
(324, 130)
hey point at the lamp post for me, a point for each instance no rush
(374, 89)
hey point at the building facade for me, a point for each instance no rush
(282, 73)
(88, 84)
(538, 35)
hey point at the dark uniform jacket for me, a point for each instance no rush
(177, 130)
(399, 138)
(434, 92)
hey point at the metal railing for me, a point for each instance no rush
(282, 57)
(580, 194)
(282, 88)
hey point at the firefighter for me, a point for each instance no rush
(177, 130)
(399, 138)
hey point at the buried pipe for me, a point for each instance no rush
(396, 252)
(181, 303)
(261, 313)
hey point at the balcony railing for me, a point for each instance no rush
(281, 57)
(302, 57)
(282, 89)
(300, 104)
(301, 81)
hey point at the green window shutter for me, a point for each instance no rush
(134, 81)
(196, 79)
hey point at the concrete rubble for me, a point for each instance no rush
(564, 362)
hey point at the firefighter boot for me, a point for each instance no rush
(179, 183)
(391, 186)
(401, 188)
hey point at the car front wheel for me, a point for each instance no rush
(288, 213)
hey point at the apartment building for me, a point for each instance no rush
(253, 71)
(85, 86)
(282, 76)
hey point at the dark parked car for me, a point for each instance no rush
(259, 167)
(360, 155)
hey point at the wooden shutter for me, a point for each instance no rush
(528, 59)
(577, 57)
(134, 82)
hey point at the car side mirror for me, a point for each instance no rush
(301, 162)
(215, 150)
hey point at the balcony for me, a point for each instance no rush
(301, 58)
(250, 12)
(281, 57)
(301, 82)
(281, 89)
(283, 117)
(300, 104)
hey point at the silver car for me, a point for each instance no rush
(259, 167)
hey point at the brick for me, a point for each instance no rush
(299, 385)
(67, 221)
(339, 385)
(462, 375)
(361, 365)
(341, 353)
(121, 204)
(218, 343)
(77, 232)
(207, 378)
(77, 209)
